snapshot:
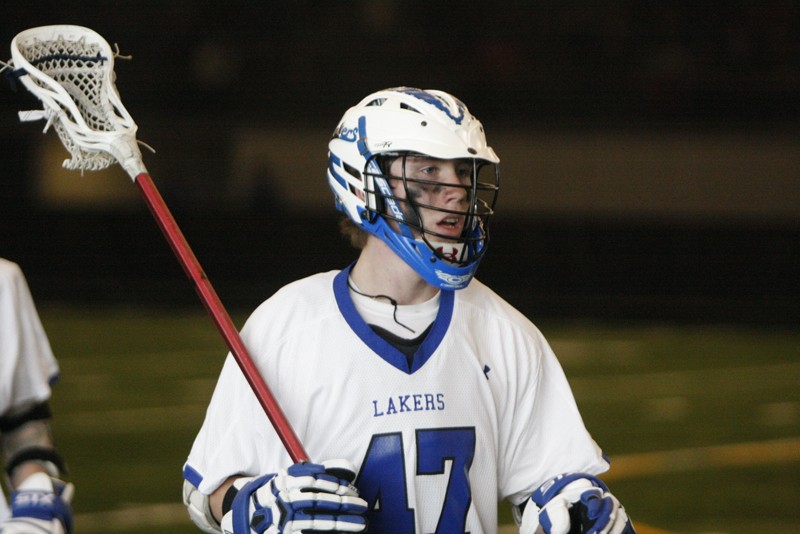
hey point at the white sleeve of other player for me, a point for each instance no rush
(27, 365)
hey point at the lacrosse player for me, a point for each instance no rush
(39, 498)
(434, 395)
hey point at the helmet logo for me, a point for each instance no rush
(453, 280)
(438, 103)
(347, 134)
(449, 255)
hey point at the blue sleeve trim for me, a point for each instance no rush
(191, 475)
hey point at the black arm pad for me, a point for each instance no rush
(41, 454)
(36, 413)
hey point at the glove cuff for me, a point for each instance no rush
(44, 498)
(240, 503)
(554, 486)
(527, 517)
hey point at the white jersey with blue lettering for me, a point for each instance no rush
(483, 413)
(27, 364)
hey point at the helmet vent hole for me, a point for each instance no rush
(424, 123)
(352, 170)
(472, 150)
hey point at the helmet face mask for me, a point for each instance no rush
(413, 168)
(455, 232)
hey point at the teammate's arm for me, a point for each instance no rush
(34, 468)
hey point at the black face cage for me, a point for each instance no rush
(481, 200)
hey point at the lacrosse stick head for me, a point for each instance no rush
(70, 69)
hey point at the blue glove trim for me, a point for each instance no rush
(42, 505)
(305, 469)
(553, 487)
(241, 503)
(598, 509)
(544, 521)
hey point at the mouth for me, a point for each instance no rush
(450, 226)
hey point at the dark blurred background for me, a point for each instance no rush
(650, 150)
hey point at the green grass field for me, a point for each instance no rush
(702, 423)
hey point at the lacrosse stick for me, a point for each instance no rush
(71, 70)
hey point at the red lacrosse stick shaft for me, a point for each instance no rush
(220, 316)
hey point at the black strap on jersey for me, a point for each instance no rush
(36, 413)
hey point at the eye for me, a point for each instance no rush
(428, 170)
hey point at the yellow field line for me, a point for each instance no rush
(623, 467)
(697, 458)
(640, 529)
(647, 529)
(140, 517)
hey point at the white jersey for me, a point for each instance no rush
(27, 365)
(483, 413)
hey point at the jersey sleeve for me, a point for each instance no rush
(546, 435)
(28, 367)
(236, 437)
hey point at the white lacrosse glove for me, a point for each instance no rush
(305, 498)
(574, 503)
(40, 505)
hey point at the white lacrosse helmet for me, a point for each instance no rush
(401, 122)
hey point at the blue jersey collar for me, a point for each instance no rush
(380, 346)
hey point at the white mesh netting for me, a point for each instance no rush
(79, 68)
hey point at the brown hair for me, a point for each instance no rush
(356, 235)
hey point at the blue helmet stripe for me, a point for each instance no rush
(333, 162)
(437, 103)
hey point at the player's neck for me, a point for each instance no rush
(380, 271)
